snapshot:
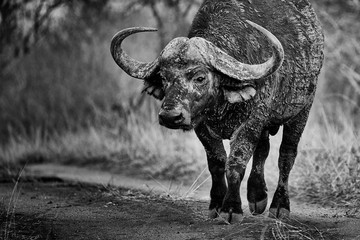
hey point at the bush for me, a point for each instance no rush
(329, 154)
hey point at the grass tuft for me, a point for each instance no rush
(329, 164)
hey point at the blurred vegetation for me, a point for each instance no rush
(328, 158)
(63, 99)
(45, 65)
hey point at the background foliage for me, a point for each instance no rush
(63, 99)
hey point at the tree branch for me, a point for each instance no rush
(187, 9)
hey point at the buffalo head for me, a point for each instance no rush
(187, 75)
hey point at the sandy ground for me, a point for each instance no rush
(70, 203)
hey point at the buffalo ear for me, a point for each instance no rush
(237, 95)
(153, 86)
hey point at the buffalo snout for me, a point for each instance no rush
(174, 118)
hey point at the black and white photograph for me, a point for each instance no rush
(179, 119)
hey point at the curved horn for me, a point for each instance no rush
(131, 66)
(275, 62)
(238, 70)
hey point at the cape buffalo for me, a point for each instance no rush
(245, 69)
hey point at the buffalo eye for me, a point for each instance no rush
(200, 79)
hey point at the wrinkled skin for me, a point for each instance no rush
(191, 92)
(196, 95)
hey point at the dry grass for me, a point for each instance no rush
(56, 107)
(141, 149)
(11, 227)
(293, 229)
(262, 227)
(329, 164)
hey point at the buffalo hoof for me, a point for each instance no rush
(258, 207)
(279, 213)
(213, 213)
(232, 218)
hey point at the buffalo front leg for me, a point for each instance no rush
(256, 186)
(216, 157)
(242, 147)
(280, 206)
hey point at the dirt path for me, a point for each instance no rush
(57, 208)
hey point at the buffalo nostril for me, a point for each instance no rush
(179, 118)
(171, 117)
(162, 118)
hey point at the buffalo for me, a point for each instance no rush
(245, 69)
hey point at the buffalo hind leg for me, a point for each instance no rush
(216, 157)
(280, 206)
(256, 186)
